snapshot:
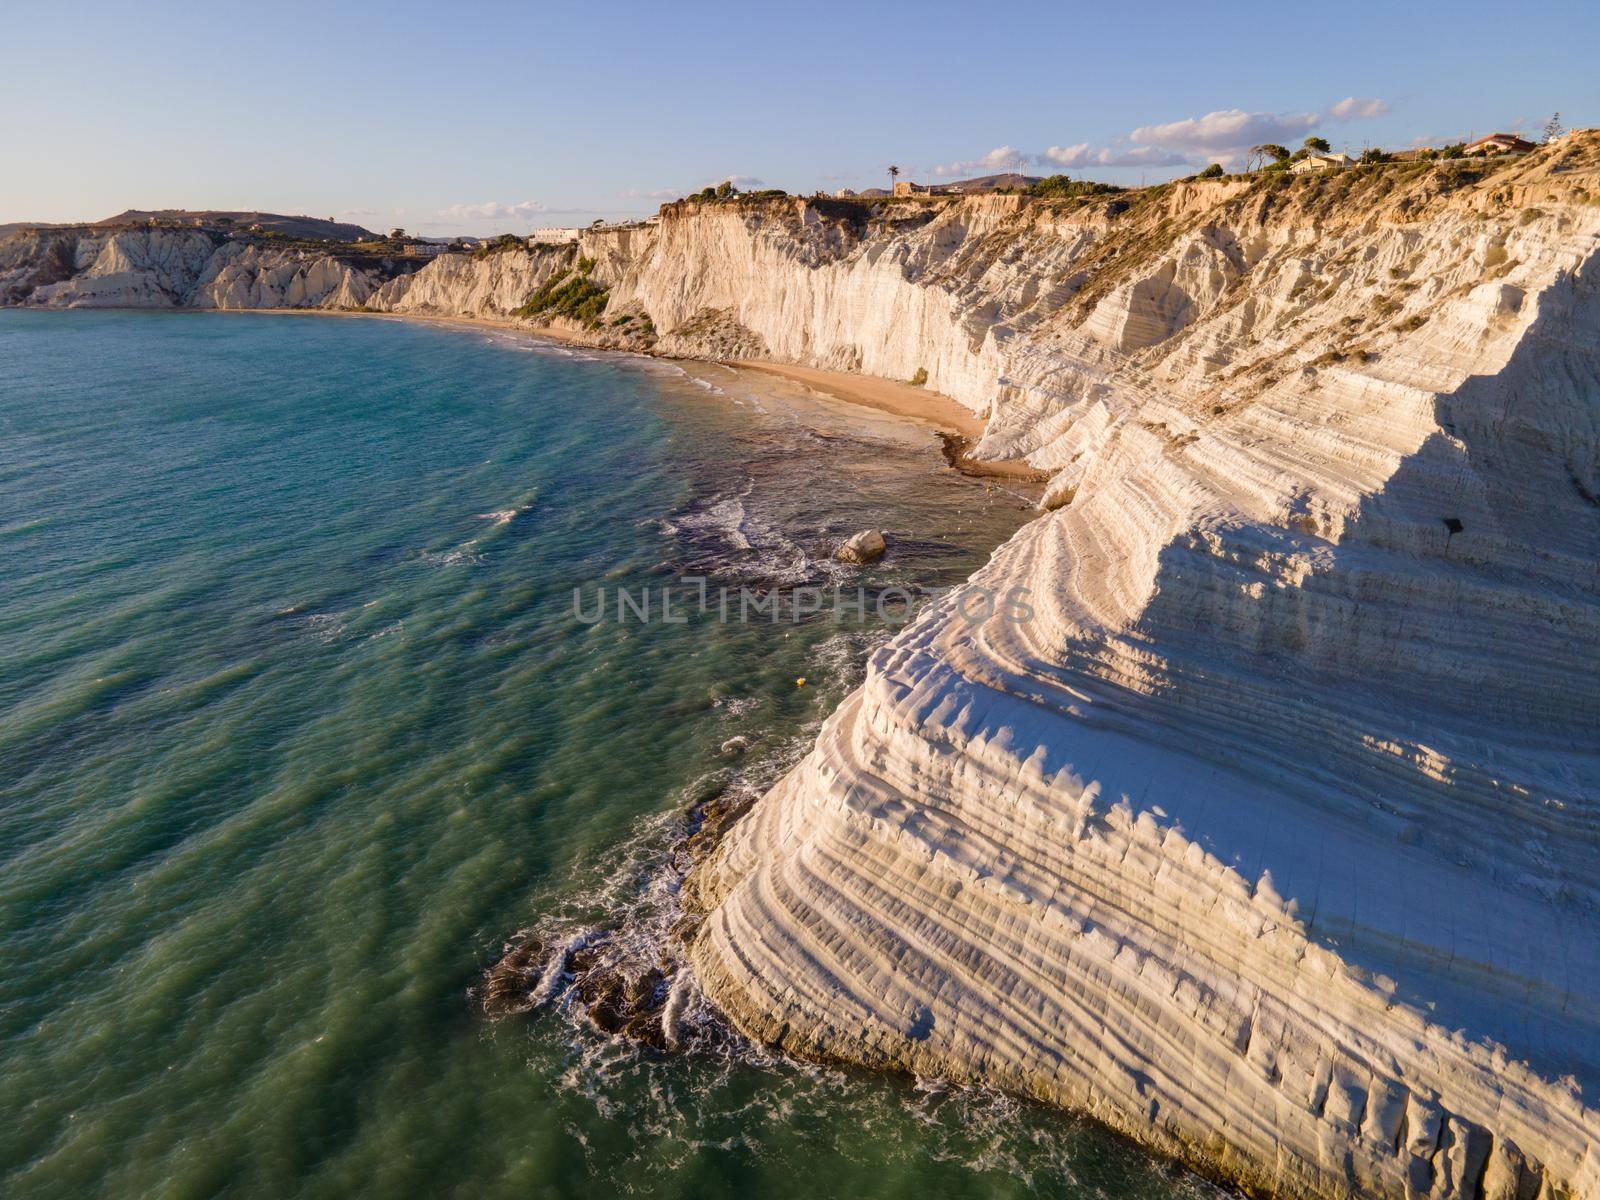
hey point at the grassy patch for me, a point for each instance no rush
(571, 294)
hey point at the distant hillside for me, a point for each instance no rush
(983, 183)
(989, 183)
(296, 227)
(9, 228)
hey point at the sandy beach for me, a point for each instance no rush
(957, 426)
(886, 395)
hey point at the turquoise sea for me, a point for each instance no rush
(298, 729)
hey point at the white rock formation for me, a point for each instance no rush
(1265, 825)
(172, 268)
(1270, 835)
(457, 285)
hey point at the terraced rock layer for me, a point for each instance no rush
(1269, 835)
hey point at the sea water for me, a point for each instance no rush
(299, 726)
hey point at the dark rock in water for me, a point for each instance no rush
(865, 547)
(511, 983)
(625, 1004)
(628, 982)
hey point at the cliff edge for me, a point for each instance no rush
(1270, 835)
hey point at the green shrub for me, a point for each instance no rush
(920, 378)
(1214, 171)
(564, 294)
(1066, 187)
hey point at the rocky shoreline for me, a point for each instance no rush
(1269, 838)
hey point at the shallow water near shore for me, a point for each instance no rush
(298, 726)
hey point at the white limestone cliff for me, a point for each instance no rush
(457, 285)
(172, 268)
(1268, 832)
(1269, 836)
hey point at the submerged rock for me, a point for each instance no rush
(865, 547)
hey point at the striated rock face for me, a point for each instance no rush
(1265, 826)
(461, 286)
(1269, 836)
(171, 268)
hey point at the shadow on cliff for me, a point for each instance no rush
(1407, 743)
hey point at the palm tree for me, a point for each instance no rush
(893, 174)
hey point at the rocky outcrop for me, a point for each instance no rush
(1266, 832)
(1262, 821)
(459, 285)
(173, 268)
(862, 548)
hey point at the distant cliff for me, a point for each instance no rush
(1271, 837)
(146, 267)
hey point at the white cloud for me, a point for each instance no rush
(658, 194)
(1224, 135)
(493, 210)
(1353, 108)
(1226, 131)
(1001, 158)
(1230, 132)
(1075, 155)
(1084, 155)
(358, 212)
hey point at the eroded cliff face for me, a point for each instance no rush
(172, 268)
(1270, 835)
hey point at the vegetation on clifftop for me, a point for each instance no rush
(1064, 187)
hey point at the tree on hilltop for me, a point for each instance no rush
(1317, 145)
(1553, 128)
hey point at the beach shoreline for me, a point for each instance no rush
(958, 427)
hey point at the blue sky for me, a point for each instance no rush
(489, 117)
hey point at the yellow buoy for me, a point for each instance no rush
(801, 682)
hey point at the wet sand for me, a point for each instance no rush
(958, 427)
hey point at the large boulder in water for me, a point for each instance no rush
(865, 547)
